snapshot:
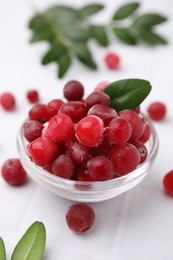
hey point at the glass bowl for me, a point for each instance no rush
(88, 191)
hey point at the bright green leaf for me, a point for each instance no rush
(99, 33)
(149, 20)
(125, 35)
(64, 63)
(90, 9)
(31, 246)
(2, 250)
(125, 11)
(151, 37)
(127, 93)
(84, 55)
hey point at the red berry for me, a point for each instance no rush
(32, 130)
(39, 112)
(32, 96)
(7, 101)
(63, 167)
(54, 106)
(119, 131)
(125, 158)
(43, 151)
(13, 172)
(101, 86)
(102, 149)
(137, 109)
(157, 111)
(112, 60)
(80, 217)
(76, 110)
(135, 121)
(73, 90)
(142, 150)
(168, 183)
(60, 128)
(146, 134)
(100, 168)
(89, 131)
(78, 153)
(84, 175)
(97, 98)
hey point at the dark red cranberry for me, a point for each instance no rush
(39, 112)
(63, 167)
(54, 106)
(168, 183)
(32, 130)
(97, 98)
(32, 96)
(73, 90)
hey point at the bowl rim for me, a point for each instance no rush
(95, 185)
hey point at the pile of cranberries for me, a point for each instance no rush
(85, 139)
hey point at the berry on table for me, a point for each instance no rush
(7, 101)
(80, 217)
(32, 96)
(32, 130)
(13, 172)
(156, 111)
(63, 167)
(73, 90)
(112, 60)
(168, 183)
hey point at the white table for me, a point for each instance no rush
(134, 226)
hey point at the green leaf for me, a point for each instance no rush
(125, 35)
(149, 20)
(64, 62)
(2, 250)
(125, 11)
(90, 9)
(99, 33)
(52, 54)
(84, 55)
(151, 37)
(127, 93)
(31, 246)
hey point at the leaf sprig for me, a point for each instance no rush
(68, 31)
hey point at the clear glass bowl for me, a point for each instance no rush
(88, 191)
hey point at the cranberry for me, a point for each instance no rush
(60, 128)
(32, 96)
(125, 158)
(73, 90)
(142, 150)
(135, 121)
(32, 130)
(104, 112)
(63, 167)
(168, 183)
(54, 106)
(119, 131)
(43, 151)
(80, 217)
(39, 112)
(7, 101)
(102, 149)
(84, 175)
(76, 110)
(89, 131)
(13, 172)
(100, 168)
(79, 153)
(156, 111)
(146, 134)
(101, 86)
(97, 98)
(112, 60)
(137, 110)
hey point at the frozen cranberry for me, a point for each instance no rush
(97, 98)
(42, 151)
(101, 86)
(89, 131)
(156, 111)
(168, 183)
(7, 101)
(13, 172)
(102, 149)
(54, 106)
(76, 110)
(142, 150)
(78, 153)
(146, 134)
(32, 96)
(100, 168)
(119, 131)
(39, 112)
(32, 130)
(73, 90)
(80, 217)
(112, 60)
(125, 158)
(84, 175)
(104, 112)
(63, 167)
(135, 121)
(60, 128)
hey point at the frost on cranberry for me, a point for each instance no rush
(80, 217)
(156, 111)
(63, 167)
(73, 90)
(89, 131)
(125, 158)
(32, 130)
(13, 172)
(39, 112)
(168, 183)
(54, 106)
(7, 101)
(78, 153)
(112, 60)
(76, 110)
(97, 98)
(32, 96)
